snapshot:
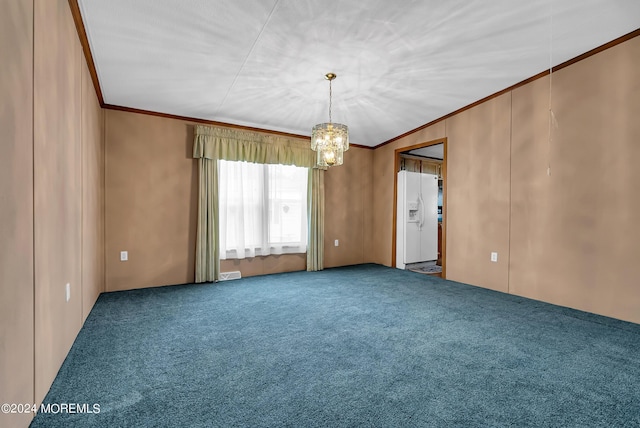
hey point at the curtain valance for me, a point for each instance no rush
(211, 144)
(236, 145)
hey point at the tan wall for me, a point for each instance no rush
(478, 194)
(51, 219)
(151, 200)
(151, 206)
(265, 264)
(348, 215)
(16, 208)
(92, 195)
(68, 189)
(569, 238)
(57, 188)
(575, 235)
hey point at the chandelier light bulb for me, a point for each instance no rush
(330, 158)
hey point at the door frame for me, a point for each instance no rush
(396, 167)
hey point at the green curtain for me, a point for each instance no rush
(211, 144)
(234, 145)
(315, 211)
(207, 252)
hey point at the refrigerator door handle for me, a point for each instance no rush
(421, 208)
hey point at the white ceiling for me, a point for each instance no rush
(261, 63)
(435, 152)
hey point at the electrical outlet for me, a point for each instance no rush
(68, 291)
(124, 256)
(336, 243)
(494, 257)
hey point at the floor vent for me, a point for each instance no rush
(227, 276)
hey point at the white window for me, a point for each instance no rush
(263, 209)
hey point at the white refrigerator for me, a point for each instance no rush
(417, 218)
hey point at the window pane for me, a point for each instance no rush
(242, 208)
(287, 204)
(263, 209)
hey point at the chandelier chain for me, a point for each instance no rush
(330, 96)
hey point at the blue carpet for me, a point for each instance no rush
(355, 346)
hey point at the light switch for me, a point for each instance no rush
(336, 243)
(494, 257)
(124, 256)
(68, 291)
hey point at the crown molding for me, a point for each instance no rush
(88, 56)
(542, 74)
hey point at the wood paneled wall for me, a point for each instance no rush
(52, 224)
(16, 209)
(575, 233)
(151, 206)
(348, 215)
(567, 238)
(57, 152)
(478, 187)
(151, 200)
(93, 221)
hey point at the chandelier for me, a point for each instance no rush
(330, 140)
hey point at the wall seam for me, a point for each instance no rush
(510, 191)
(82, 189)
(33, 190)
(364, 215)
(104, 199)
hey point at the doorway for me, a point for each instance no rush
(429, 157)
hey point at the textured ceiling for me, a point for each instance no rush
(261, 63)
(435, 152)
